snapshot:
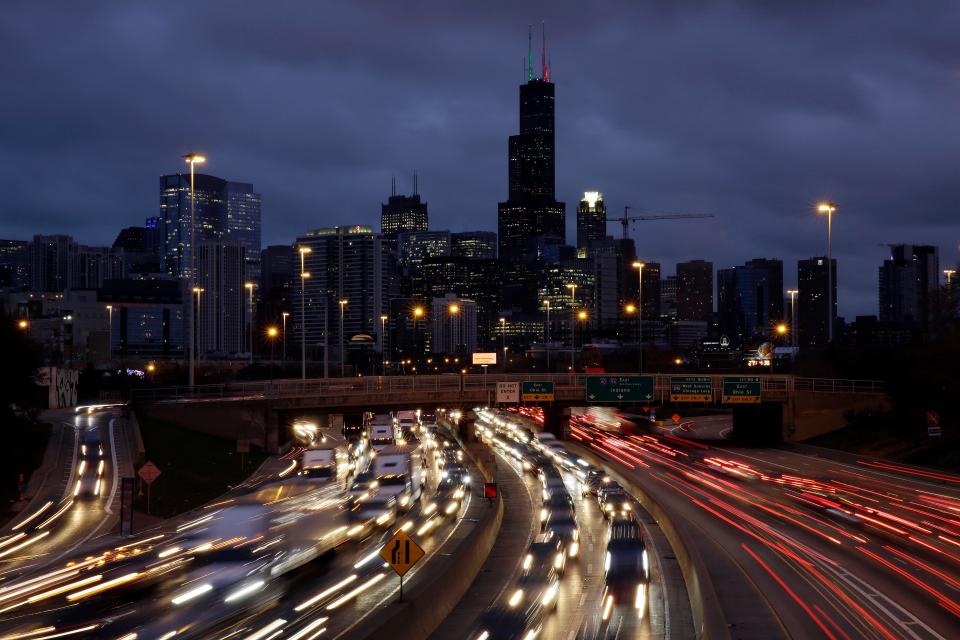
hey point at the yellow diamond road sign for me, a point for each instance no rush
(401, 552)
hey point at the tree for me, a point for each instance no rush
(21, 359)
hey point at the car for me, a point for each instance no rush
(510, 621)
(616, 503)
(378, 509)
(551, 480)
(607, 487)
(590, 482)
(626, 567)
(362, 483)
(562, 524)
(544, 562)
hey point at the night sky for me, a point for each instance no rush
(749, 110)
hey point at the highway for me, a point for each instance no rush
(279, 553)
(801, 546)
(76, 500)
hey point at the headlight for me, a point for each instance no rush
(558, 561)
(626, 506)
(527, 562)
(543, 515)
(550, 594)
(574, 549)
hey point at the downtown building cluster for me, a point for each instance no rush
(354, 299)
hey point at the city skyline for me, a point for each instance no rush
(822, 135)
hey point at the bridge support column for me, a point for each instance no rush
(758, 424)
(556, 420)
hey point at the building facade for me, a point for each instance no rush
(591, 221)
(694, 298)
(812, 280)
(908, 283)
(453, 324)
(750, 300)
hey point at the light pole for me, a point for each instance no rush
(249, 286)
(272, 336)
(547, 333)
(383, 343)
(828, 209)
(793, 315)
(198, 291)
(343, 343)
(283, 356)
(110, 332)
(454, 309)
(779, 330)
(639, 267)
(192, 159)
(573, 322)
(303, 313)
(949, 273)
(417, 314)
(503, 342)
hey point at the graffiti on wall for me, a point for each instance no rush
(62, 385)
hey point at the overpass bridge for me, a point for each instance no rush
(255, 410)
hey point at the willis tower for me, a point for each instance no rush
(531, 220)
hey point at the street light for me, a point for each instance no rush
(198, 291)
(503, 342)
(828, 209)
(192, 159)
(283, 356)
(343, 344)
(303, 313)
(793, 314)
(639, 267)
(272, 333)
(417, 314)
(454, 309)
(383, 351)
(949, 273)
(250, 286)
(547, 333)
(23, 325)
(780, 329)
(110, 332)
(573, 324)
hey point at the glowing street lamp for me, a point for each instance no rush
(283, 356)
(110, 331)
(417, 314)
(828, 209)
(23, 325)
(198, 291)
(793, 314)
(272, 333)
(303, 312)
(249, 286)
(573, 324)
(639, 267)
(192, 159)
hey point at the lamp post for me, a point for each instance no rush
(949, 273)
(197, 291)
(582, 317)
(639, 267)
(828, 209)
(343, 343)
(780, 330)
(417, 314)
(503, 342)
(547, 333)
(110, 332)
(303, 313)
(23, 325)
(383, 342)
(454, 310)
(249, 286)
(192, 159)
(283, 356)
(272, 336)
(573, 322)
(793, 315)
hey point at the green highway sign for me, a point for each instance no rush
(741, 390)
(620, 388)
(536, 391)
(691, 389)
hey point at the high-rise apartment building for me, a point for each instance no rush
(453, 324)
(349, 264)
(908, 282)
(14, 264)
(750, 300)
(223, 210)
(812, 300)
(93, 265)
(52, 261)
(668, 298)
(591, 221)
(476, 245)
(694, 298)
(224, 310)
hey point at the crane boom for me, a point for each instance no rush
(627, 218)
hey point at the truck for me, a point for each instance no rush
(320, 461)
(399, 472)
(406, 422)
(354, 427)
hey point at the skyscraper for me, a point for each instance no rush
(591, 221)
(695, 290)
(224, 314)
(415, 247)
(52, 262)
(242, 225)
(403, 213)
(14, 264)
(909, 279)
(476, 245)
(812, 279)
(750, 300)
(531, 217)
(454, 324)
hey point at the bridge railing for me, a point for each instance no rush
(775, 385)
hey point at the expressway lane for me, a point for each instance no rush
(801, 546)
(74, 503)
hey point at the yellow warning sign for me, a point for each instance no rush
(401, 552)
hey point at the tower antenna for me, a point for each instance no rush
(393, 184)
(414, 183)
(544, 70)
(529, 52)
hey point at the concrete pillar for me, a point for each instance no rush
(556, 420)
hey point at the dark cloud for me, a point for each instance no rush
(750, 110)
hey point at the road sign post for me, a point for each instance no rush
(126, 506)
(691, 389)
(536, 391)
(401, 553)
(934, 430)
(741, 390)
(620, 388)
(148, 473)
(508, 392)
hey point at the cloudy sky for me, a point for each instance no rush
(749, 110)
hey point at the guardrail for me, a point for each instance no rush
(775, 385)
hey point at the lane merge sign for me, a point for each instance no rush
(741, 390)
(401, 552)
(691, 389)
(620, 388)
(536, 391)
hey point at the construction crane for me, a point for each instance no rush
(627, 218)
